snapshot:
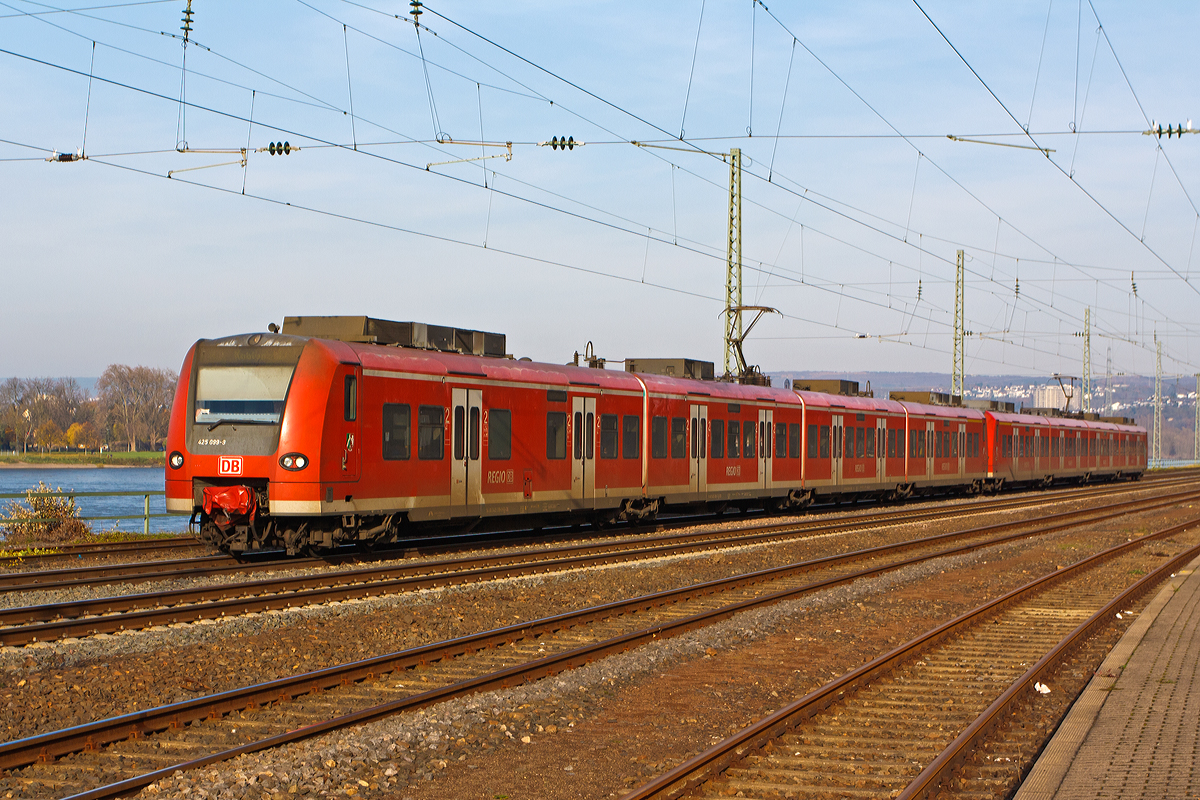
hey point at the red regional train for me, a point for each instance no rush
(355, 431)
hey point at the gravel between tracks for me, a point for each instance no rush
(58, 684)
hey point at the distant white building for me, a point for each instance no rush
(1051, 396)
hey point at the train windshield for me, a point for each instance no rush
(243, 393)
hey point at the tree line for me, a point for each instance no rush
(131, 410)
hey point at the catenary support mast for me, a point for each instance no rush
(1156, 445)
(1087, 359)
(733, 262)
(956, 378)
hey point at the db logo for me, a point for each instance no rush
(230, 465)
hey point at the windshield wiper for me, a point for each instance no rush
(221, 422)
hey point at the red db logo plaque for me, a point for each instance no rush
(230, 465)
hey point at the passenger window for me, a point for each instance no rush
(474, 449)
(824, 441)
(781, 440)
(430, 426)
(953, 446)
(679, 437)
(397, 431)
(891, 443)
(578, 437)
(718, 438)
(735, 439)
(589, 448)
(811, 439)
(871, 433)
(608, 435)
(499, 434)
(350, 404)
(659, 437)
(860, 446)
(748, 450)
(631, 436)
(556, 435)
(459, 419)
(900, 443)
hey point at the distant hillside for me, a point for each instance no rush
(1131, 396)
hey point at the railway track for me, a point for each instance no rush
(63, 553)
(902, 725)
(119, 755)
(202, 566)
(23, 625)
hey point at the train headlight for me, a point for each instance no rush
(175, 460)
(294, 461)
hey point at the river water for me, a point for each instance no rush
(106, 479)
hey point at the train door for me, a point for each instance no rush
(341, 455)
(583, 451)
(930, 432)
(881, 448)
(838, 433)
(764, 447)
(699, 435)
(466, 488)
(962, 449)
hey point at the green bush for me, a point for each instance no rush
(58, 518)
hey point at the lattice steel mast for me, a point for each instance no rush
(1087, 359)
(956, 377)
(733, 263)
(1156, 445)
(1108, 383)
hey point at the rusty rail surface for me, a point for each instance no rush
(706, 766)
(86, 617)
(93, 735)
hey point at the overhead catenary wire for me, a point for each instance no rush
(672, 168)
(691, 72)
(1091, 196)
(350, 88)
(88, 108)
(686, 142)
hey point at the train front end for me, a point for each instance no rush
(236, 440)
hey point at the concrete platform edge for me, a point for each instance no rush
(1048, 771)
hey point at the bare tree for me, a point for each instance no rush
(137, 402)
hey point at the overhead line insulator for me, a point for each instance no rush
(562, 143)
(1156, 129)
(187, 22)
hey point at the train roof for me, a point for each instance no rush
(1064, 422)
(435, 362)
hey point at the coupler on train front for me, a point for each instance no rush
(233, 519)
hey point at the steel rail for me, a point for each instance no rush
(93, 735)
(706, 766)
(45, 622)
(966, 743)
(140, 572)
(79, 550)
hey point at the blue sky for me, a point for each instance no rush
(850, 229)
